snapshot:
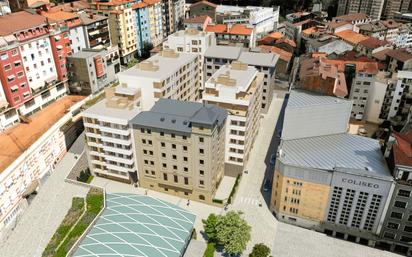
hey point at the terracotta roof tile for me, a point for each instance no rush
(18, 21)
(402, 149)
(205, 3)
(219, 28)
(351, 36)
(352, 17)
(381, 55)
(283, 55)
(60, 15)
(373, 43)
(400, 54)
(236, 29)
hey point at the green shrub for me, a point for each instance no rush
(229, 200)
(210, 250)
(217, 201)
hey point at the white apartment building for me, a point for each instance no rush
(165, 75)
(218, 56)
(38, 62)
(263, 19)
(108, 134)
(398, 97)
(191, 41)
(77, 36)
(404, 37)
(266, 64)
(237, 88)
(21, 173)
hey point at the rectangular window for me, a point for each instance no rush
(396, 215)
(186, 181)
(400, 204)
(165, 176)
(404, 193)
(175, 178)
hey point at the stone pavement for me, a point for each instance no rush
(45, 213)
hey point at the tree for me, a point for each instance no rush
(260, 250)
(210, 227)
(145, 52)
(233, 232)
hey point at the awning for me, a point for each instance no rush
(31, 188)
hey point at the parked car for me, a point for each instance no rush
(272, 159)
(267, 185)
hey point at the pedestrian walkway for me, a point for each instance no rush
(249, 200)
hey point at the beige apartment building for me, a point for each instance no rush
(238, 89)
(165, 75)
(122, 25)
(179, 148)
(108, 134)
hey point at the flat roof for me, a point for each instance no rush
(301, 98)
(225, 52)
(138, 225)
(351, 153)
(259, 59)
(166, 66)
(179, 115)
(101, 111)
(243, 78)
(17, 139)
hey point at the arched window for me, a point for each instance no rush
(202, 197)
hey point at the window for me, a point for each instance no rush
(202, 197)
(389, 235)
(175, 167)
(186, 181)
(201, 172)
(185, 169)
(173, 146)
(404, 193)
(393, 225)
(162, 144)
(407, 229)
(185, 159)
(400, 204)
(163, 155)
(174, 157)
(201, 151)
(162, 134)
(173, 135)
(396, 215)
(165, 176)
(201, 182)
(201, 162)
(176, 179)
(201, 139)
(184, 148)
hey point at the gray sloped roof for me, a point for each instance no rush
(224, 52)
(259, 59)
(360, 155)
(179, 115)
(302, 98)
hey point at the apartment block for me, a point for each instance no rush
(396, 230)
(168, 74)
(191, 41)
(392, 7)
(179, 148)
(321, 181)
(233, 34)
(96, 30)
(108, 134)
(237, 88)
(263, 19)
(266, 64)
(218, 56)
(122, 25)
(373, 8)
(92, 70)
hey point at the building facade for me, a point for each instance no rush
(180, 148)
(237, 88)
(373, 8)
(165, 75)
(108, 134)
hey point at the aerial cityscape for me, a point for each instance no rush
(194, 128)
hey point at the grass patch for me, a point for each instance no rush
(89, 180)
(229, 200)
(94, 100)
(94, 203)
(210, 250)
(71, 217)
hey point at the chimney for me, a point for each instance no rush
(71, 4)
(91, 16)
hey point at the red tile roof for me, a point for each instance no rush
(60, 15)
(400, 54)
(283, 55)
(403, 149)
(18, 21)
(205, 3)
(236, 29)
(381, 55)
(351, 36)
(373, 43)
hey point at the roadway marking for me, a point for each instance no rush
(249, 200)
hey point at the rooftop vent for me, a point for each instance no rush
(173, 120)
(162, 119)
(185, 122)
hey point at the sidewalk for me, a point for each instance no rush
(44, 215)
